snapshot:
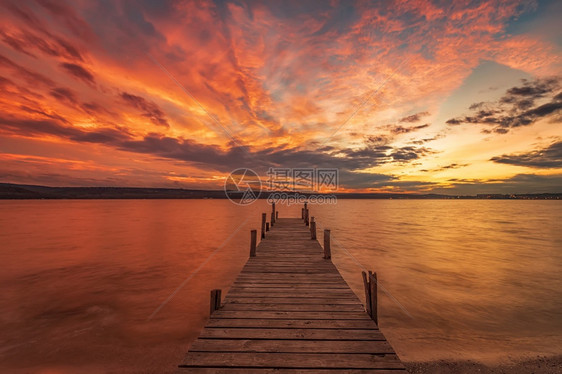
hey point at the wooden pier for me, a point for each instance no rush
(290, 311)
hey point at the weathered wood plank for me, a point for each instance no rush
(307, 334)
(288, 346)
(335, 300)
(326, 315)
(287, 323)
(315, 308)
(215, 370)
(294, 360)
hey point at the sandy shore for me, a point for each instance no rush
(540, 365)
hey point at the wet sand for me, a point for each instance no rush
(539, 365)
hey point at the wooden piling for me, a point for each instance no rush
(272, 219)
(367, 293)
(263, 219)
(267, 226)
(327, 249)
(312, 228)
(272, 214)
(253, 240)
(276, 215)
(306, 217)
(215, 300)
(371, 302)
(302, 213)
(373, 293)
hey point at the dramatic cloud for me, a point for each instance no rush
(182, 85)
(149, 109)
(549, 157)
(398, 129)
(517, 107)
(78, 72)
(446, 167)
(414, 117)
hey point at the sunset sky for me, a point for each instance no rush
(455, 97)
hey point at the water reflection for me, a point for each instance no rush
(80, 278)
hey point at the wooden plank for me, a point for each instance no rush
(294, 360)
(288, 346)
(275, 284)
(306, 334)
(327, 315)
(290, 292)
(288, 323)
(339, 300)
(218, 370)
(294, 307)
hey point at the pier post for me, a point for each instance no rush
(327, 249)
(253, 239)
(306, 217)
(370, 285)
(373, 292)
(267, 226)
(302, 213)
(215, 300)
(263, 219)
(272, 214)
(367, 293)
(276, 215)
(312, 228)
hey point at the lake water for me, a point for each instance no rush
(80, 279)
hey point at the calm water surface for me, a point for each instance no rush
(464, 279)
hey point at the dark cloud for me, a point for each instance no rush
(414, 117)
(446, 167)
(79, 72)
(69, 17)
(517, 107)
(518, 184)
(149, 109)
(549, 157)
(26, 41)
(399, 129)
(32, 78)
(64, 95)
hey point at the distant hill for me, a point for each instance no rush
(21, 191)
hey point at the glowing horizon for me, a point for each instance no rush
(399, 96)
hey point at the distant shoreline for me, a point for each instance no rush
(9, 191)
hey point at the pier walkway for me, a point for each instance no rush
(290, 311)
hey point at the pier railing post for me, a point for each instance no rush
(370, 285)
(312, 228)
(272, 219)
(267, 226)
(302, 213)
(272, 213)
(263, 218)
(306, 217)
(276, 215)
(327, 249)
(215, 300)
(253, 239)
